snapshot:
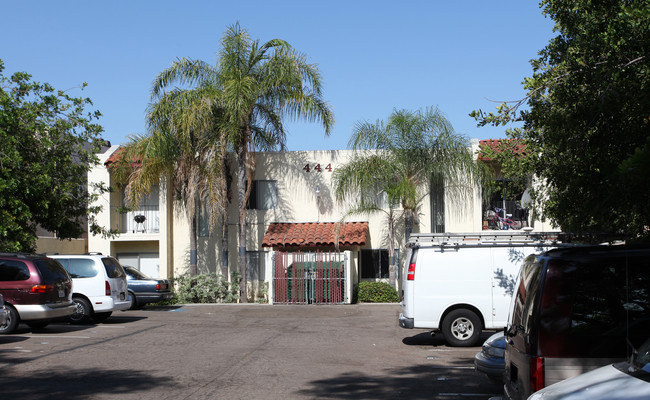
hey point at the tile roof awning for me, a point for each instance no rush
(315, 234)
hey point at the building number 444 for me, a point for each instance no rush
(317, 168)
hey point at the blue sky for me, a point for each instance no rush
(375, 56)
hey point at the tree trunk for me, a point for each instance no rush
(224, 248)
(241, 195)
(392, 267)
(193, 257)
(408, 224)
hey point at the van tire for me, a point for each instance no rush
(462, 328)
(13, 319)
(83, 312)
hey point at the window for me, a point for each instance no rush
(263, 196)
(79, 267)
(379, 198)
(375, 263)
(13, 271)
(437, 197)
(254, 269)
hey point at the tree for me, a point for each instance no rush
(185, 149)
(48, 142)
(254, 86)
(586, 116)
(401, 158)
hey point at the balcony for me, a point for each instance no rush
(144, 220)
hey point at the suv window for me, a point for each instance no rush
(12, 270)
(113, 268)
(79, 267)
(51, 271)
(587, 306)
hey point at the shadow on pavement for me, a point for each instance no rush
(415, 382)
(427, 339)
(76, 384)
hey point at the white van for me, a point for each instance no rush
(460, 284)
(98, 283)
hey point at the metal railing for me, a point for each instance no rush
(146, 219)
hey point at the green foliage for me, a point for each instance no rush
(376, 292)
(207, 288)
(48, 142)
(585, 117)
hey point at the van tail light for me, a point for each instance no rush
(41, 289)
(410, 276)
(536, 373)
(108, 289)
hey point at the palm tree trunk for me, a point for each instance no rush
(391, 252)
(242, 188)
(193, 257)
(224, 248)
(408, 224)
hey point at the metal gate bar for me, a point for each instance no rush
(308, 278)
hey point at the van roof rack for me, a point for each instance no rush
(499, 239)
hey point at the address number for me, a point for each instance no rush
(317, 168)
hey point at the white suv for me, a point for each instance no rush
(98, 283)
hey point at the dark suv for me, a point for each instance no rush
(574, 310)
(36, 289)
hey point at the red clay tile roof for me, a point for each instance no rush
(518, 148)
(117, 157)
(312, 234)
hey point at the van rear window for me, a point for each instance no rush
(51, 270)
(588, 309)
(113, 268)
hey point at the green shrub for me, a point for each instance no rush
(376, 292)
(207, 288)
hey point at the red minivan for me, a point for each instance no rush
(574, 310)
(36, 290)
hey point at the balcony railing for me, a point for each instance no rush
(146, 219)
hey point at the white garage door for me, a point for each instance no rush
(147, 263)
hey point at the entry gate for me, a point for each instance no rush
(309, 278)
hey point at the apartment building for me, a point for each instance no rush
(292, 213)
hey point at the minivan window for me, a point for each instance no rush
(12, 270)
(51, 270)
(113, 268)
(79, 267)
(586, 309)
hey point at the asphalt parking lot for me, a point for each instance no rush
(239, 352)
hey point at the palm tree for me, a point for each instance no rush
(401, 158)
(254, 86)
(183, 149)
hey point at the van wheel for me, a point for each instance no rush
(12, 320)
(462, 328)
(83, 311)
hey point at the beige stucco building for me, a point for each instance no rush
(293, 191)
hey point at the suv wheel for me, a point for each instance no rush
(462, 328)
(83, 311)
(12, 320)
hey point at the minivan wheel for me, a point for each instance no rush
(83, 311)
(462, 328)
(12, 320)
